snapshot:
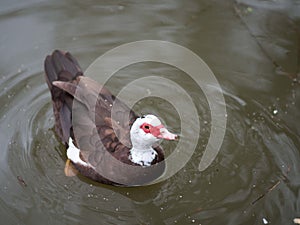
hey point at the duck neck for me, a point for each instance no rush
(142, 156)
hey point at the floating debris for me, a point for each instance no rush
(269, 190)
(21, 181)
(297, 220)
(265, 221)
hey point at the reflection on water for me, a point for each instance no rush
(252, 48)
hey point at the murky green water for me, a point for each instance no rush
(252, 47)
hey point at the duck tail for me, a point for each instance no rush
(61, 66)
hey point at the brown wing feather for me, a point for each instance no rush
(61, 66)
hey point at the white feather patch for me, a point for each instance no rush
(143, 158)
(73, 154)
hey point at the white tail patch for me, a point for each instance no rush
(73, 154)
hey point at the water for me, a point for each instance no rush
(252, 47)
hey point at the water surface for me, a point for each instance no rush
(252, 47)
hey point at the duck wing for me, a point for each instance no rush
(81, 101)
(99, 120)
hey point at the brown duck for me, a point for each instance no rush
(105, 140)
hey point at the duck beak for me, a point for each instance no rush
(165, 134)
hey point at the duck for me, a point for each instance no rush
(114, 147)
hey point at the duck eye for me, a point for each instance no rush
(146, 127)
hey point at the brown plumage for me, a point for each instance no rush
(83, 107)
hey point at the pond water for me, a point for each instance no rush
(252, 46)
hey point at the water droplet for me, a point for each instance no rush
(193, 221)
(275, 112)
(120, 7)
(249, 10)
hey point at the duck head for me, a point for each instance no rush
(147, 130)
